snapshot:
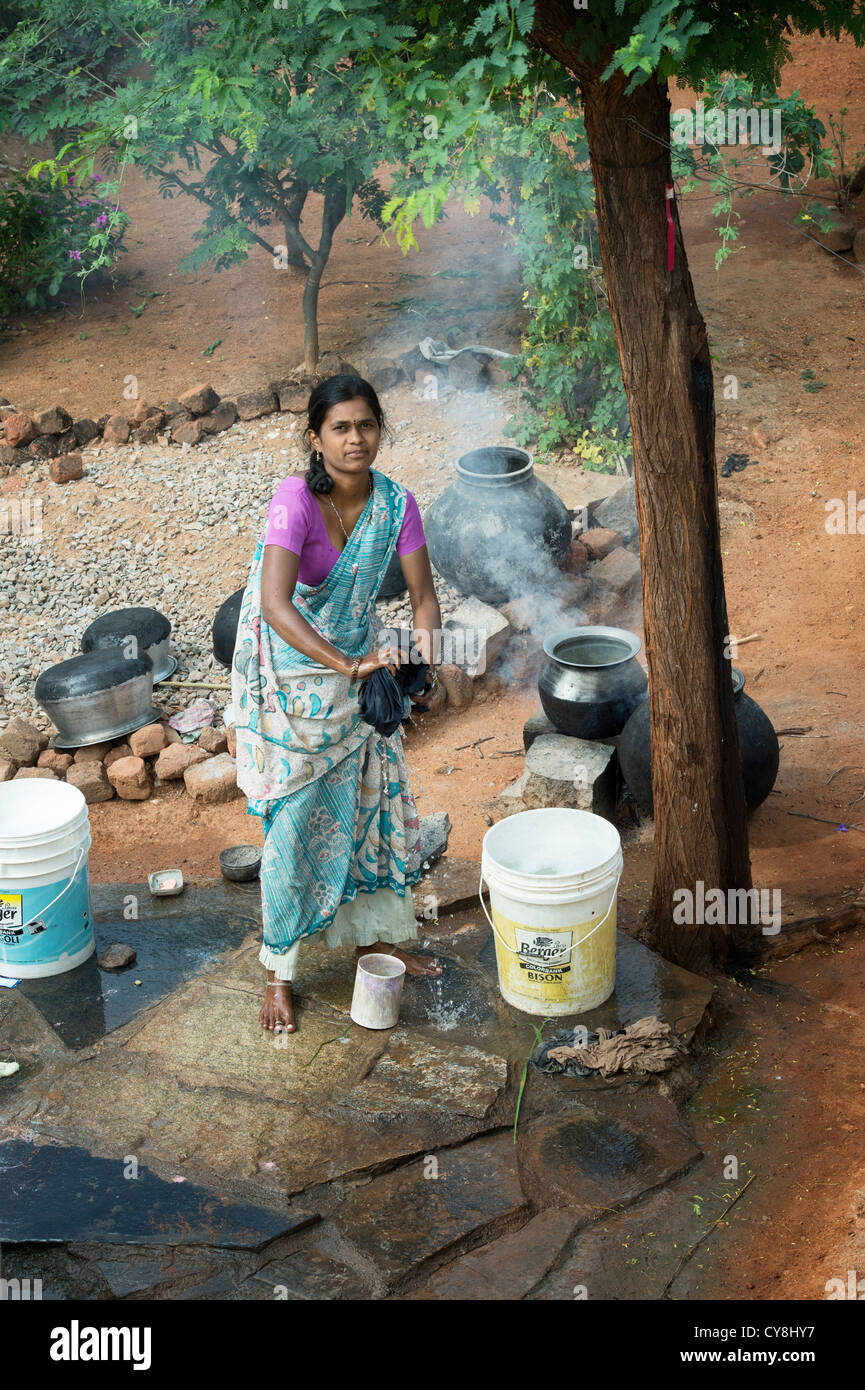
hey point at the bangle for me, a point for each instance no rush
(354, 670)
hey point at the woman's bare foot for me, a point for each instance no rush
(277, 1011)
(414, 965)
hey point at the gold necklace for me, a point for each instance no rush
(338, 517)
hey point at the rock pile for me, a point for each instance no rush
(130, 768)
(199, 412)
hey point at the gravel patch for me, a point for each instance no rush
(175, 529)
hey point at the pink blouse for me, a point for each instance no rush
(295, 522)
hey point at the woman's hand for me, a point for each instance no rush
(389, 656)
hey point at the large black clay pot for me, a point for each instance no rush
(498, 531)
(758, 748)
(224, 631)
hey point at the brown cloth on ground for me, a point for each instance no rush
(649, 1045)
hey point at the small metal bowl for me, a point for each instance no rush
(158, 880)
(240, 863)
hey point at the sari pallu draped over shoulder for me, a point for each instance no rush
(334, 796)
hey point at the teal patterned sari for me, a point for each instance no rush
(339, 817)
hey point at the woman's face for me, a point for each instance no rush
(349, 437)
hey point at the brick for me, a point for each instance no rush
(12, 458)
(188, 432)
(67, 469)
(85, 431)
(474, 636)
(91, 780)
(19, 430)
(55, 760)
(44, 772)
(565, 771)
(117, 430)
(54, 420)
(7, 770)
(457, 684)
(130, 779)
(213, 740)
(253, 404)
(175, 759)
(574, 590)
(147, 742)
(198, 400)
(536, 725)
(66, 442)
(121, 750)
(293, 398)
(94, 753)
(22, 742)
(149, 429)
(617, 575)
(145, 414)
(219, 419)
(577, 558)
(213, 781)
(599, 541)
(619, 512)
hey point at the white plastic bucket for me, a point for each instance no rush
(553, 876)
(45, 917)
(377, 990)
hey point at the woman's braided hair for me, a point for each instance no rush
(335, 391)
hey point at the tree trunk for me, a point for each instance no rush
(334, 212)
(700, 825)
(291, 222)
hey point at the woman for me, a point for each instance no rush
(341, 842)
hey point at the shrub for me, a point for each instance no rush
(53, 236)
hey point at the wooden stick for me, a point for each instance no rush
(803, 815)
(474, 743)
(197, 685)
(740, 641)
(686, 1257)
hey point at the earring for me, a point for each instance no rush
(319, 458)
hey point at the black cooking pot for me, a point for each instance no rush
(224, 632)
(758, 749)
(592, 680)
(149, 629)
(96, 696)
(394, 579)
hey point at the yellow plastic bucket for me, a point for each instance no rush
(553, 876)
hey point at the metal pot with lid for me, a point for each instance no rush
(149, 630)
(97, 696)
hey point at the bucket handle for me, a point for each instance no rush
(515, 950)
(81, 854)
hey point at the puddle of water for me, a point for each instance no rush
(53, 1194)
(86, 1003)
(600, 1148)
(454, 999)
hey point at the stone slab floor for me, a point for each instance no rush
(156, 1143)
